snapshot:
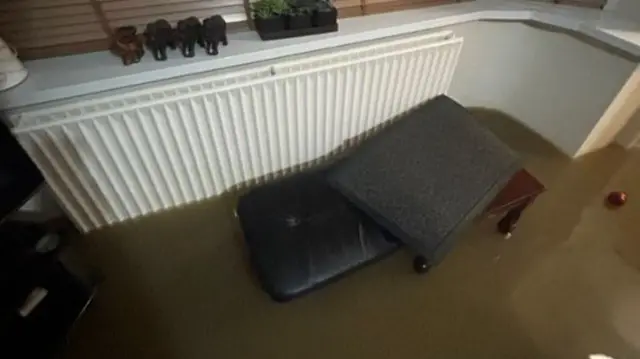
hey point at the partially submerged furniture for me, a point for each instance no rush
(521, 190)
(301, 234)
(417, 182)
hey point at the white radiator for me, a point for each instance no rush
(120, 157)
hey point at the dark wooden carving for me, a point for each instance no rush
(159, 36)
(127, 45)
(189, 33)
(214, 31)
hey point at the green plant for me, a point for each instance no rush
(280, 7)
(324, 5)
(260, 10)
(302, 7)
(264, 9)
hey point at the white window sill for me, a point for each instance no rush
(70, 76)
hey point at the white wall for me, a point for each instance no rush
(629, 9)
(629, 136)
(616, 117)
(555, 84)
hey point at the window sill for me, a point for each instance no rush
(78, 75)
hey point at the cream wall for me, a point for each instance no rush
(629, 136)
(556, 84)
(629, 9)
(615, 119)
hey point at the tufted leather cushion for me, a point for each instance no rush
(302, 234)
(426, 175)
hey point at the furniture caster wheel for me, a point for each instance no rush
(421, 265)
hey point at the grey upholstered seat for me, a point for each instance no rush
(426, 175)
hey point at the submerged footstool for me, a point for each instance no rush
(421, 180)
(302, 234)
(426, 176)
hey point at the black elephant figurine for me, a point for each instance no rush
(189, 33)
(214, 31)
(159, 35)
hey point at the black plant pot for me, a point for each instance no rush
(325, 17)
(300, 21)
(270, 24)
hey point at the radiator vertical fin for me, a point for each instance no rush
(119, 157)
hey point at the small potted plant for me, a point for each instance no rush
(325, 14)
(269, 15)
(300, 16)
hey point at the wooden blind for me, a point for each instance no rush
(141, 12)
(584, 3)
(46, 28)
(32, 25)
(348, 8)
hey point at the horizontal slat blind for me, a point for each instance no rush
(33, 25)
(348, 8)
(584, 3)
(141, 12)
(379, 6)
(46, 28)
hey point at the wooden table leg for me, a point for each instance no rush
(508, 223)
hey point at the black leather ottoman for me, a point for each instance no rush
(302, 234)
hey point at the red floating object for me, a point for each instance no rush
(617, 198)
